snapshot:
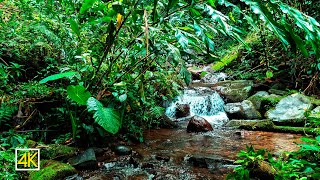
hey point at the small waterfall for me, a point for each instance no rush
(203, 102)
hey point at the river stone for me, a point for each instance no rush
(234, 91)
(233, 110)
(249, 111)
(51, 170)
(182, 110)
(243, 110)
(256, 99)
(85, 160)
(198, 124)
(214, 78)
(122, 150)
(290, 108)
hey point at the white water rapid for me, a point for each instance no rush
(203, 102)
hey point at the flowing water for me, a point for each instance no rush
(176, 154)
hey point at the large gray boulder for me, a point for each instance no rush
(243, 110)
(290, 109)
(234, 91)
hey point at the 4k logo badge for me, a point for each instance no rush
(27, 159)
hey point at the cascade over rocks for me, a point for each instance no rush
(198, 124)
(290, 108)
(234, 91)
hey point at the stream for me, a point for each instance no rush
(176, 154)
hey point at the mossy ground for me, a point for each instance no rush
(52, 170)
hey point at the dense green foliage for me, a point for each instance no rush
(95, 68)
(301, 164)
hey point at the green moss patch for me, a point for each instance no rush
(52, 170)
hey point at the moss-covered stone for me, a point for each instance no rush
(52, 170)
(57, 151)
(297, 130)
(31, 144)
(256, 99)
(234, 91)
(251, 124)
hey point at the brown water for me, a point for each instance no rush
(176, 154)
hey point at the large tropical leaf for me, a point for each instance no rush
(78, 94)
(108, 118)
(57, 76)
(87, 4)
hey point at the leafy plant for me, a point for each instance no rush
(108, 118)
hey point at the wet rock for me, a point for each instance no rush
(208, 161)
(233, 110)
(249, 110)
(51, 170)
(290, 109)
(166, 122)
(147, 166)
(85, 160)
(256, 99)
(198, 124)
(195, 72)
(182, 110)
(214, 78)
(243, 110)
(234, 91)
(57, 151)
(166, 177)
(278, 92)
(161, 157)
(263, 170)
(122, 150)
(251, 124)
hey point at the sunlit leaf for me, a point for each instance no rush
(78, 94)
(58, 76)
(87, 4)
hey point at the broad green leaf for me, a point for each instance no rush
(183, 41)
(186, 75)
(211, 2)
(269, 74)
(123, 97)
(108, 118)
(58, 76)
(87, 4)
(78, 94)
(74, 27)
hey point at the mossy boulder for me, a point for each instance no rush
(52, 170)
(57, 151)
(234, 91)
(251, 124)
(257, 98)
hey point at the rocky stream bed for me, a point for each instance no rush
(207, 126)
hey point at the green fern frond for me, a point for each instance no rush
(6, 112)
